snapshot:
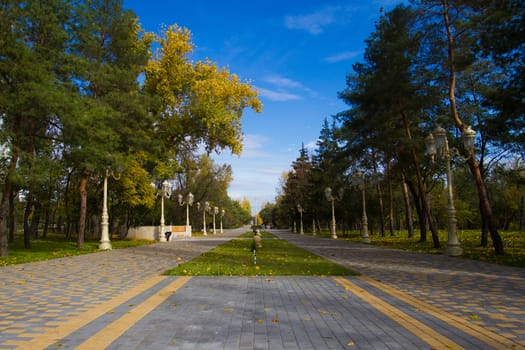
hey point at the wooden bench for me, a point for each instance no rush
(177, 231)
(178, 228)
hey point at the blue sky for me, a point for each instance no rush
(295, 53)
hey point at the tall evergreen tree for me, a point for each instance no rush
(501, 25)
(112, 51)
(387, 95)
(296, 189)
(457, 41)
(33, 41)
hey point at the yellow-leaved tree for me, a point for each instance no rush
(246, 205)
(198, 103)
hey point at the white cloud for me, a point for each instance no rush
(253, 146)
(278, 95)
(312, 23)
(282, 82)
(343, 56)
(256, 173)
(252, 141)
(316, 22)
(311, 146)
(284, 89)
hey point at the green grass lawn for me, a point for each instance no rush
(276, 257)
(514, 242)
(52, 248)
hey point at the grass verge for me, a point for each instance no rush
(46, 249)
(514, 242)
(276, 257)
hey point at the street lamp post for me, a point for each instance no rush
(331, 198)
(214, 212)
(437, 145)
(105, 243)
(165, 191)
(359, 180)
(204, 210)
(300, 210)
(222, 215)
(188, 202)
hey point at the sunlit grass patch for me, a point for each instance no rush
(52, 248)
(276, 257)
(513, 241)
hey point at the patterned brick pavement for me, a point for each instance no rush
(488, 295)
(119, 300)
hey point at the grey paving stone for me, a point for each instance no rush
(259, 312)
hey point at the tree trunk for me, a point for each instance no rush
(4, 204)
(27, 214)
(46, 223)
(422, 217)
(11, 218)
(421, 188)
(484, 242)
(431, 221)
(35, 221)
(408, 207)
(48, 214)
(4, 212)
(381, 209)
(67, 225)
(390, 200)
(83, 209)
(486, 208)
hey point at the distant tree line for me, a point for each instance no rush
(85, 90)
(454, 63)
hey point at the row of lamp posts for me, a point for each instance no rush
(437, 147)
(331, 198)
(188, 202)
(359, 180)
(165, 190)
(213, 211)
(207, 208)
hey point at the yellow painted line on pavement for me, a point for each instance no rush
(476, 331)
(52, 335)
(435, 340)
(112, 331)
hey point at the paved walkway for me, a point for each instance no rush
(118, 300)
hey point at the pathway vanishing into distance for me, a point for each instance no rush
(118, 299)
